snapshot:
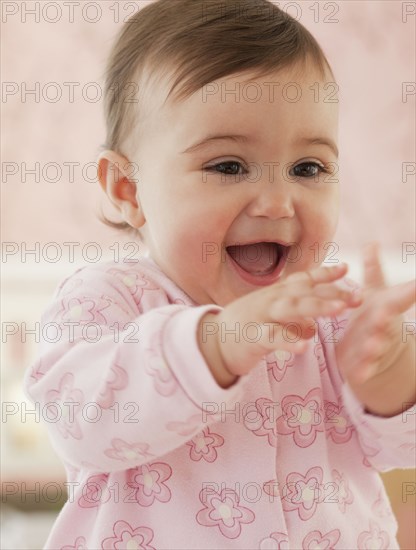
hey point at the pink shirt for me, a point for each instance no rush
(159, 456)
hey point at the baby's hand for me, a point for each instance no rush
(373, 356)
(278, 315)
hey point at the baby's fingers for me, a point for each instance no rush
(332, 292)
(323, 274)
(294, 308)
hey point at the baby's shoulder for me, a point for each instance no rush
(111, 268)
(123, 280)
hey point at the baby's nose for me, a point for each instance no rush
(272, 199)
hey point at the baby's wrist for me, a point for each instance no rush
(209, 346)
(394, 389)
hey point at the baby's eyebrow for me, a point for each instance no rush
(216, 137)
(320, 141)
(247, 139)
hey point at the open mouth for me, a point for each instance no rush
(258, 260)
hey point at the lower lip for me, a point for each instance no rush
(259, 280)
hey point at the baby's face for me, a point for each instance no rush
(267, 187)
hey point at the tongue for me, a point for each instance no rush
(256, 258)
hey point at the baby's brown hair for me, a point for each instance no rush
(198, 42)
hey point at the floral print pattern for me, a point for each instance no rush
(223, 510)
(278, 366)
(315, 540)
(121, 450)
(149, 482)
(204, 444)
(79, 544)
(373, 539)
(276, 541)
(302, 417)
(344, 494)
(95, 491)
(262, 423)
(137, 284)
(303, 493)
(67, 402)
(118, 380)
(83, 310)
(338, 425)
(127, 537)
(293, 434)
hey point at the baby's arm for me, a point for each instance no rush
(136, 393)
(386, 442)
(275, 310)
(375, 356)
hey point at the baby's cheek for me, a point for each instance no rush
(318, 243)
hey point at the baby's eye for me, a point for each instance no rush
(308, 170)
(228, 168)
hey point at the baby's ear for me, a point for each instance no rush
(116, 176)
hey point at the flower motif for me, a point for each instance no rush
(344, 494)
(36, 372)
(283, 360)
(301, 417)
(164, 380)
(68, 403)
(94, 492)
(374, 539)
(129, 538)
(263, 422)
(369, 451)
(223, 510)
(79, 544)
(381, 508)
(148, 480)
(316, 540)
(121, 450)
(276, 541)
(203, 446)
(134, 281)
(337, 422)
(82, 310)
(156, 366)
(302, 493)
(117, 380)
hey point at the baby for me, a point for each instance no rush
(226, 390)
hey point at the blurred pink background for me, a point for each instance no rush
(371, 47)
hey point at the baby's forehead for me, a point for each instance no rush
(250, 86)
(244, 99)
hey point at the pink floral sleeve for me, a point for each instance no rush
(118, 387)
(387, 443)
